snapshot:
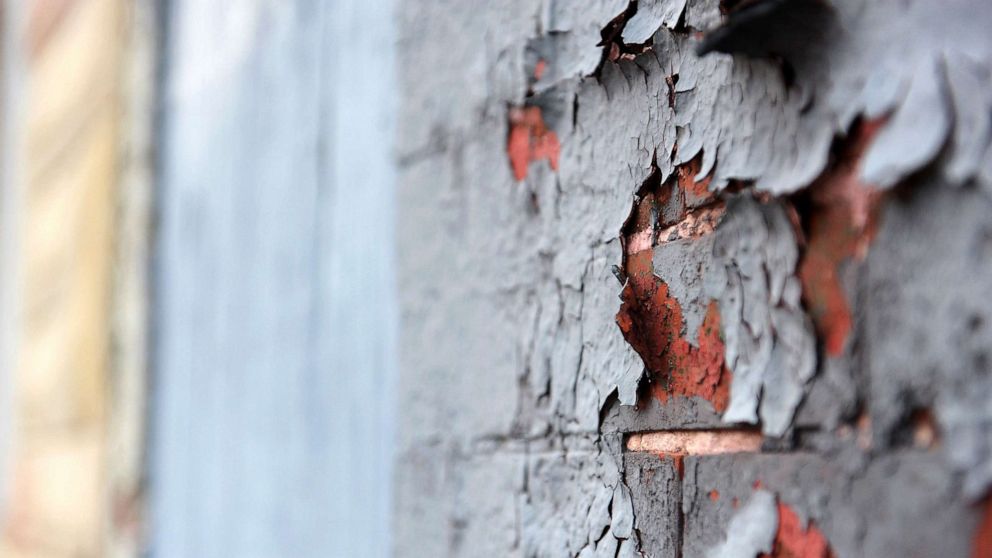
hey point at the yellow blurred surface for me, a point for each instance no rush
(57, 497)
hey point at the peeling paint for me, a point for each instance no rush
(649, 17)
(752, 198)
(652, 322)
(859, 60)
(684, 357)
(752, 529)
(770, 347)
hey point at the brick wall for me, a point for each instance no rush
(694, 279)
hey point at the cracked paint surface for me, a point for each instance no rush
(811, 196)
(770, 345)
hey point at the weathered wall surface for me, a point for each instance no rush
(692, 279)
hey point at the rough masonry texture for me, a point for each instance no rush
(761, 218)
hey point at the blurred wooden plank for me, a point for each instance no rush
(68, 160)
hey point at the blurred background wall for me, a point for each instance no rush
(197, 304)
(77, 86)
(274, 310)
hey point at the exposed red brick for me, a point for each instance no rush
(695, 193)
(650, 319)
(841, 225)
(694, 224)
(982, 540)
(530, 140)
(696, 442)
(539, 69)
(792, 541)
(924, 429)
(613, 54)
(675, 445)
(645, 310)
(714, 495)
(696, 371)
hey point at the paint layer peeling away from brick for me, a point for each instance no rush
(770, 345)
(768, 219)
(751, 531)
(684, 357)
(767, 528)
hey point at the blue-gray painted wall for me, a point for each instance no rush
(274, 301)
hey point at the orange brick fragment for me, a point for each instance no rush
(530, 140)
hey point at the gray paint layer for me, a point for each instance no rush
(769, 341)
(275, 321)
(751, 531)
